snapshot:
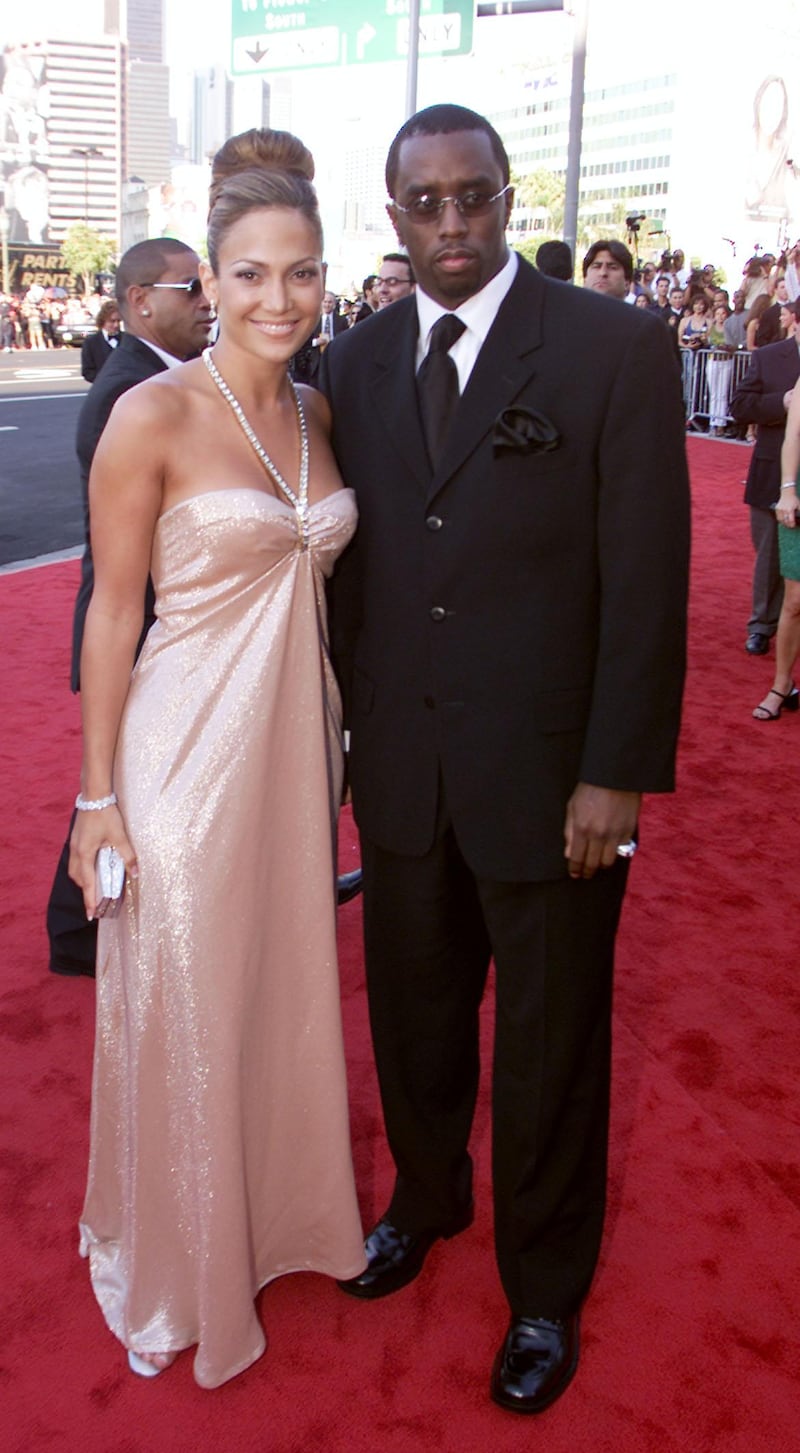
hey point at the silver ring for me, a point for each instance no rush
(627, 850)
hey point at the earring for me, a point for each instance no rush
(145, 312)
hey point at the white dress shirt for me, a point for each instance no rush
(477, 313)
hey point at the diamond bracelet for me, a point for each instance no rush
(83, 805)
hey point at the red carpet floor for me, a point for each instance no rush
(690, 1336)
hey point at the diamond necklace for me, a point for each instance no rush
(300, 503)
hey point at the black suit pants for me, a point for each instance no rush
(431, 928)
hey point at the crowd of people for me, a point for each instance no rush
(35, 319)
(713, 330)
(442, 548)
(740, 362)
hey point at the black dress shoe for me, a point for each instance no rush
(757, 644)
(535, 1364)
(348, 885)
(394, 1258)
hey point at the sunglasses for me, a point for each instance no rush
(470, 204)
(192, 289)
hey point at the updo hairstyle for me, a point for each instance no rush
(259, 168)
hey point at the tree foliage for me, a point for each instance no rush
(86, 252)
(544, 193)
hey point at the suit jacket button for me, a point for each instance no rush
(434, 523)
(438, 613)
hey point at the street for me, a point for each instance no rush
(40, 497)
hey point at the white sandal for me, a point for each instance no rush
(142, 1367)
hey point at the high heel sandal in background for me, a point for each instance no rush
(789, 702)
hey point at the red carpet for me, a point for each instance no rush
(690, 1335)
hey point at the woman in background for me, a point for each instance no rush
(783, 694)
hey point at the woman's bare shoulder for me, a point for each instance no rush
(316, 407)
(161, 398)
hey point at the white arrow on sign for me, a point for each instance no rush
(365, 35)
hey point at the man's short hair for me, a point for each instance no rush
(144, 263)
(400, 257)
(554, 259)
(440, 121)
(369, 283)
(618, 251)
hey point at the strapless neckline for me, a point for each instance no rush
(250, 489)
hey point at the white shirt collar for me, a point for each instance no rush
(168, 358)
(478, 312)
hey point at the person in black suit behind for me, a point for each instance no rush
(509, 626)
(99, 346)
(331, 322)
(763, 398)
(369, 303)
(304, 366)
(167, 320)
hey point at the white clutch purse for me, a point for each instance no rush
(109, 882)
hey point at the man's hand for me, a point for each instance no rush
(598, 820)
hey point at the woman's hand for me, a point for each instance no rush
(786, 507)
(93, 831)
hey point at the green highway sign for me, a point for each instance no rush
(294, 35)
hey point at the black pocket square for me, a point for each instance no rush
(524, 431)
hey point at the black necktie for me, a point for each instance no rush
(437, 384)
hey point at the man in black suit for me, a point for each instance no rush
(304, 366)
(331, 322)
(763, 398)
(167, 320)
(369, 305)
(99, 346)
(509, 625)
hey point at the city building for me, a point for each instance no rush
(62, 140)
(140, 25)
(212, 112)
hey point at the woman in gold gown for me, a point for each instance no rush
(220, 1153)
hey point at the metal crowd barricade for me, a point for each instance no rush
(709, 380)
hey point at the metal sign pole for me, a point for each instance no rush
(413, 58)
(573, 181)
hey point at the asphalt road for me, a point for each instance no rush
(40, 496)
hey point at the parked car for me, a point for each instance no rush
(71, 332)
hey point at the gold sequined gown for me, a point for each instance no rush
(220, 1153)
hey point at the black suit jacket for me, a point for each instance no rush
(95, 351)
(132, 362)
(759, 400)
(515, 620)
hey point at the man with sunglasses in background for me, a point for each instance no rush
(167, 319)
(509, 628)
